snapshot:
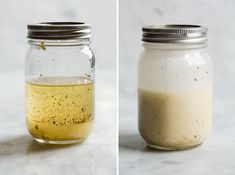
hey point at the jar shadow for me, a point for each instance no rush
(23, 148)
(131, 141)
(135, 142)
(24, 144)
(15, 145)
(35, 147)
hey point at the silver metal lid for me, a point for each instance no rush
(175, 33)
(59, 30)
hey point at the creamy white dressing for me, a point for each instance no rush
(175, 95)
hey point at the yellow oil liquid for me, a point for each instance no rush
(59, 108)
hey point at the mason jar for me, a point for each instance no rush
(59, 82)
(174, 86)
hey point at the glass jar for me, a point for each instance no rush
(174, 87)
(59, 83)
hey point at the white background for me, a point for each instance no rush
(216, 155)
(15, 15)
(18, 154)
(217, 15)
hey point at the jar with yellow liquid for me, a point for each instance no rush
(59, 82)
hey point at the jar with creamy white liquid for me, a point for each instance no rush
(175, 87)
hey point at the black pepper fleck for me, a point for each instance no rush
(36, 127)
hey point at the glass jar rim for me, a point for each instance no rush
(173, 46)
(64, 42)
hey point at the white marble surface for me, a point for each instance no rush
(217, 155)
(18, 153)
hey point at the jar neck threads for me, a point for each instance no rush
(70, 42)
(173, 46)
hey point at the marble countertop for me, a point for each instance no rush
(216, 156)
(19, 154)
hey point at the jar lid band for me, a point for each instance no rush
(59, 30)
(175, 33)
